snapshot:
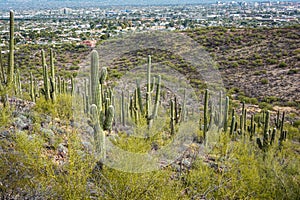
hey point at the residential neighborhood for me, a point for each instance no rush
(85, 26)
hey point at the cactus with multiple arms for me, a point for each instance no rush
(268, 135)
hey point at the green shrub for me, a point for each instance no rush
(265, 106)
(293, 71)
(271, 61)
(264, 81)
(74, 68)
(62, 108)
(282, 65)
(5, 116)
(296, 123)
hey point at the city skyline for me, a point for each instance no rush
(44, 4)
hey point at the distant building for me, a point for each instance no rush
(90, 43)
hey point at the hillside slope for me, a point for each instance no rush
(261, 63)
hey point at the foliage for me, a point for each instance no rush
(62, 108)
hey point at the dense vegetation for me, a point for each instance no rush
(44, 153)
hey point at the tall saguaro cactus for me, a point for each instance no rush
(123, 109)
(172, 116)
(45, 77)
(139, 94)
(32, 89)
(225, 127)
(99, 135)
(148, 94)
(157, 98)
(95, 86)
(205, 118)
(52, 80)
(10, 72)
(267, 140)
(109, 118)
(2, 78)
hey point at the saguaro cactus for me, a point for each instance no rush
(225, 124)
(205, 117)
(157, 98)
(52, 79)
(109, 118)
(184, 109)
(46, 90)
(72, 86)
(251, 128)
(267, 140)
(10, 72)
(123, 115)
(266, 127)
(219, 116)
(148, 94)
(18, 83)
(95, 86)
(103, 75)
(138, 88)
(32, 89)
(99, 135)
(282, 132)
(172, 116)
(2, 78)
(242, 119)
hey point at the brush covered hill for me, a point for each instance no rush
(260, 63)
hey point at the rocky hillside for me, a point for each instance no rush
(262, 63)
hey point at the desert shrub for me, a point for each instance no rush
(282, 65)
(271, 61)
(234, 64)
(245, 99)
(114, 184)
(45, 107)
(62, 108)
(258, 62)
(242, 62)
(271, 99)
(292, 104)
(264, 81)
(265, 106)
(30, 171)
(296, 123)
(74, 68)
(293, 71)
(5, 116)
(242, 171)
(260, 72)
